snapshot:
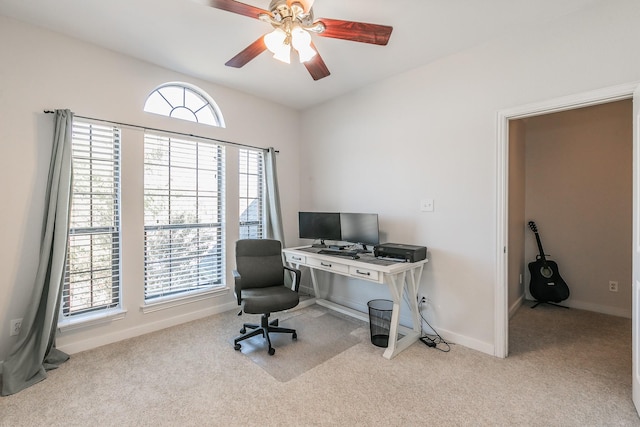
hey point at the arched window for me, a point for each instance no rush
(186, 102)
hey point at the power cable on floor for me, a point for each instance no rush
(431, 340)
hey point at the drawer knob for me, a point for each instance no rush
(364, 273)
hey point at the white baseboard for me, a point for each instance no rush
(405, 320)
(580, 305)
(612, 311)
(452, 337)
(99, 341)
(515, 306)
(472, 343)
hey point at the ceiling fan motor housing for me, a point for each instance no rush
(283, 13)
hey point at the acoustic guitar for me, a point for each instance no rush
(546, 284)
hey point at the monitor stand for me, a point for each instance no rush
(337, 247)
(332, 246)
(363, 250)
(319, 245)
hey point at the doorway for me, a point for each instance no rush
(504, 119)
(571, 173)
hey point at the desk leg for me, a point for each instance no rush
(413, 283)
(314, 282)
(397, 288)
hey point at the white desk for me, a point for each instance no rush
(398, 276)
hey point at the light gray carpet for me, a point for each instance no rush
(566, 368)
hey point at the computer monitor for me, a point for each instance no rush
(319, 225)
(360, 228)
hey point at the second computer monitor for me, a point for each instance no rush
(360, 228)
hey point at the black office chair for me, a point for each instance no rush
(260, 287)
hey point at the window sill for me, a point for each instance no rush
(170, 302)
(91, 319)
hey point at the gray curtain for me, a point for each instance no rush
(274, 215)
(274, 228)
(35, 352)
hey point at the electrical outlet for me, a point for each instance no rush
(426, 205)
(423, 302)
(613, 286)
(14, 328)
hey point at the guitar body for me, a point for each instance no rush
(546, 284)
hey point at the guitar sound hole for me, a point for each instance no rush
(546, 272)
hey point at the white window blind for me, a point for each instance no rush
(251, 194)
(92, 279)
(183, 216)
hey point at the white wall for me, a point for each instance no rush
(42, 70)
(431, 133)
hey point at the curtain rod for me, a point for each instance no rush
(167, 131)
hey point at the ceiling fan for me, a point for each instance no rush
(293, 22)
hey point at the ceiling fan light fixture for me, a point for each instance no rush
(283, 54)
(275, 40)
(301, 41)
(299, 37)
(306, 54)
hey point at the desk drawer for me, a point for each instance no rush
(364, 273)
(328, 265)
(295, 258)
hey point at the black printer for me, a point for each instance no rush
(408, 253)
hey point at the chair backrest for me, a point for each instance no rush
(259, 262)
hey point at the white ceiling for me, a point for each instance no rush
(192, 38)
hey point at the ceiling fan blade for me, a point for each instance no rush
(316, 66)
(356, 31)
(237, 7)
(250, 52)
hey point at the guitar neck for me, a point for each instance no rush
(540, 247)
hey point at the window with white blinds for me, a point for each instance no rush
(251, 192)
(92, 279)
(183, 216)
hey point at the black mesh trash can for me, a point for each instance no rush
(380, 321)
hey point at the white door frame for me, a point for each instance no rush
(601, 96)
(635, 285)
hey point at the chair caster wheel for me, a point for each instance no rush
(294, 336)
(272, 351)
(237, 347)
(243, 330)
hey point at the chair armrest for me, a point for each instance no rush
(297, 275)
(237, 280)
